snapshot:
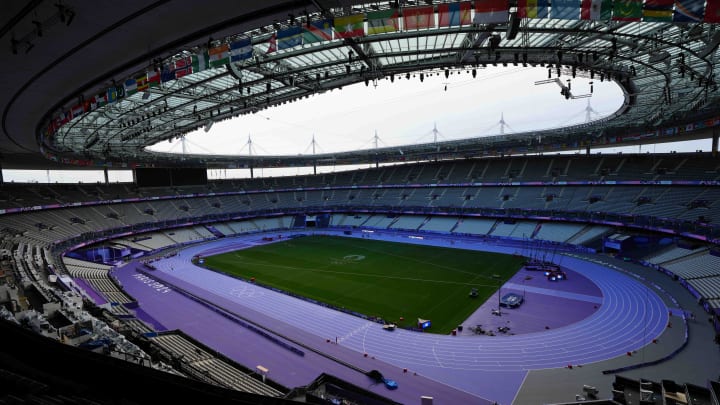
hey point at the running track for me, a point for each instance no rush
(630, 317)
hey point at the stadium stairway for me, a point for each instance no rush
(214, 231)
(536, 230)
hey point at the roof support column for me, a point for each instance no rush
(715, 135)
(105, 171)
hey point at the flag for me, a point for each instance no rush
(167, 73)
(565, 9)
(491, 11)
(289, 37)
(58, 121)
(199, 62)
(689, 10)
(658, 10)
(272, 44)
(76, 111)
(141, 83)
(130, 87)
(65, 117)
(111, 95)
(219, 55)
(316, 31)
(170, 70)
(627, 10)
(153, 78)
(97, 101)
(596, 9)
(120, 91)
(50, 129)
(415, 18)
(183, 67)
(454, 14)
(350, 26)
(712, 12)
(149, 79)
(382, 21)
(241, 49)
(533, 8)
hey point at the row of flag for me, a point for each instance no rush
(493, 11)
(679, 11)
(423, 17)
(456, 14)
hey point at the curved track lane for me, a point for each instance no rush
(630, 316)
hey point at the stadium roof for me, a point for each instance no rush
(95, 83)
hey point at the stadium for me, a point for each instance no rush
(530, 267)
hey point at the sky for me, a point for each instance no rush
(406, 112)
(393, 114)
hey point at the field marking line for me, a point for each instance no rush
(437, 358)
(411, 258)
(370, 275)
(354, 332)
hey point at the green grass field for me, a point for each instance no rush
(376, 278)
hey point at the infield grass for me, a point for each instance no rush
(381, 279)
